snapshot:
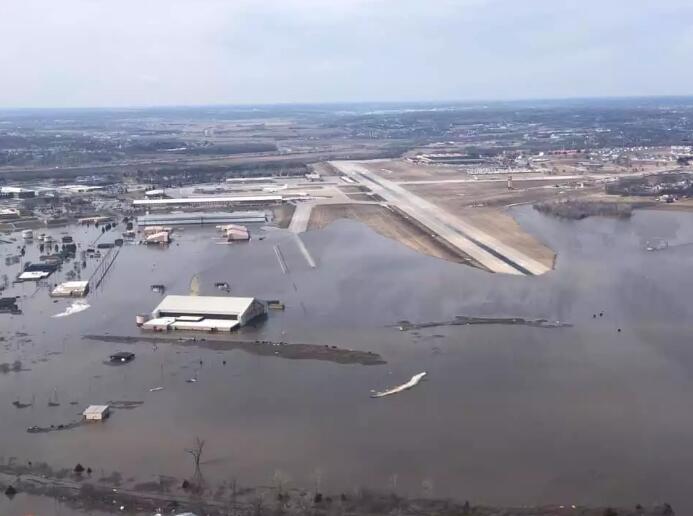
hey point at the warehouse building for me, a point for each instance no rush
(207, 202)
(203, 313)
(71, 289)
(202, 218)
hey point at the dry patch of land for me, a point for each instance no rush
(503, 227)
(389, 223)
(402, 170)
(482, 203)
(453, 196)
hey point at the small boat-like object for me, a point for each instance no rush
(400, 388)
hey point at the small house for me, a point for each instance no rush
(96, 412)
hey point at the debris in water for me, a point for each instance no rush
(411, 383)
(35, 429)
(156, 389)
(76, 307)
(463, 320)
(122, 357)
(126, 405)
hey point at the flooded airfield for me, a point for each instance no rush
(507, 415)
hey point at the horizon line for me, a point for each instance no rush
(136, 107)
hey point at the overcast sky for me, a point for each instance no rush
(163, 52)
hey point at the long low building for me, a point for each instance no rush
(203, 313)
(71, 289)
(157, 219)
(209, 201)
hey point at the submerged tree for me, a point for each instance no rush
(196, 453)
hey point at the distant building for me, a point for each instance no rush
(17, 192)
(208, 201)
(99, 219)
(75, 189)
(9, 213)
(682, 151)
(155, 194)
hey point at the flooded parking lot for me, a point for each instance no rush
(568, 414)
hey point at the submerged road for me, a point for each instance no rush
(484, 248)
(299, 221)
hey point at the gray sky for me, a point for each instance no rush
(162, 52)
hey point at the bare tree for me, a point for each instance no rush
(196, 453)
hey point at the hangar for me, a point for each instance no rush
(203, 313)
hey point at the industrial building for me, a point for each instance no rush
(96, 412)
(9, 213)
(98, 219)
(208, 201)
(233, 232)
(203, 313)
(160, 237)
(71, 289)
(17, 192)
(157, 219)
(155, 194)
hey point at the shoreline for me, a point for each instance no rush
(82, 492)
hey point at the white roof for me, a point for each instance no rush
(205, 324)
(197, 200)
(29, 275)
(74, 284)
(95, 409)
(157, 323)
(248, 179)
(208, 305)
(13, 189)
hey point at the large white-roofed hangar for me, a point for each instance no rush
(203, 313)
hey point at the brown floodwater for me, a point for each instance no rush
(507, 414)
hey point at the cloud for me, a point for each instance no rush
(143, 52)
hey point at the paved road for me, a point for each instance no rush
(516, 178)
(484, 248)
(301, 217)
(304, 250)
(520, 177)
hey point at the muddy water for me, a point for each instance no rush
(507, 414)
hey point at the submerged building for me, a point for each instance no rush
(71, 289)
(203, 313)
(157, 219)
